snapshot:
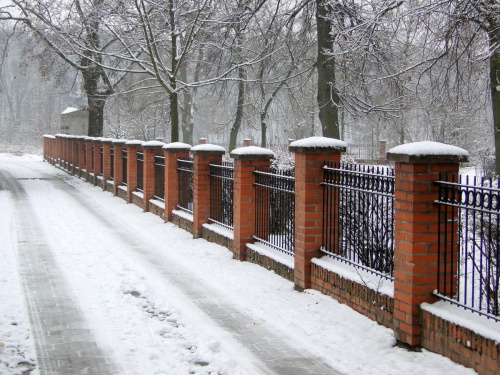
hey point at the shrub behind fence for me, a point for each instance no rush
(358, 220)
(275, 208)
(469, 248)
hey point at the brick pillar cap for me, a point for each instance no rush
(427, 152)
(81, 137)
(153, 144)
(318, 145)
(107, 140)
(89, 139)
(59, 135)
(252, 153)
(208, 149)
(177, 147)
(134, 142)
(49, 136)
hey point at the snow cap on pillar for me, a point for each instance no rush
(206, 148)
(427, 152)
(252, 152)
(318, 145)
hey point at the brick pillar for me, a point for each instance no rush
(106, 161)
(172, 152)
(81, 155)
(58, 149)
(382, 152)
(132, 148)
(118, 145)
(151, 149)
(72, 153)
(310, 157)
(416, 229)
(46, 147)
(88, 157)
(66, 151)
(203, 155)
(246, 161)
(97, 158)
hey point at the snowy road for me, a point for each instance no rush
(114, 290)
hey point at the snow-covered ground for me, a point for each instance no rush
(127, 279)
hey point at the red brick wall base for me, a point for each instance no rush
(460, 344)
(269, 263)
(374, 305)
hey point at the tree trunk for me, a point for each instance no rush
(187, 110)
(328, 98)
(96, 115)
(494, 40)
(174, 114)
(239, 110)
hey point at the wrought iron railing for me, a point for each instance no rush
(469, 248)
(185, 171)
(77, 154)
(221, 193)
(112, 160)
(275, 208)
(159, 177)
(124, 167)
(358, 216)
(140, 170)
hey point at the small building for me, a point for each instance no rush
(75, 121)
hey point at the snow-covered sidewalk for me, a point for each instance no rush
(161, 302)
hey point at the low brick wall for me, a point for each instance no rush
(156, 210)
(138, 201)
(182, 222)
(371, 303)
(269, 263)
(122, 194)
(460, 344)
(110, 186)
(214, 237)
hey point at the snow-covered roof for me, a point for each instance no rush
(153, 143)
(134, 142)
(176, 145)
(69, 110)
(426, 148)
(208, 147)
(252, 150)
(319, 142)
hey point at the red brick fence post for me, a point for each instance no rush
(246, 161)
(173, 152)
(310, 157)
(203, 155)
(418, 166)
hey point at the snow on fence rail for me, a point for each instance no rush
(469, 249)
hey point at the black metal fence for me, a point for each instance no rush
(469, 248)
(159, 177)
(275, 208)
(112, 159)
(124, 167)
(140, 170)
(221, 193)
(84, 165)
(358, 219)
(185, 170)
